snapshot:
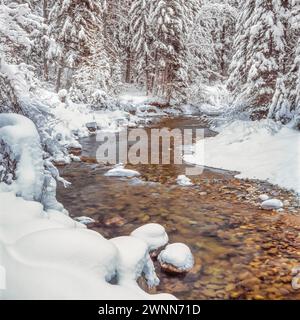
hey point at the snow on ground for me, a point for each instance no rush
(153, 234)
(257, 149)
(178, 255)
(120, 171)
(134, 96)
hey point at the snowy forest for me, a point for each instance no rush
(72, 68)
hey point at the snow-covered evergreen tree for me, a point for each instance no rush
(72, 25)
(141, 39)
(286, 101)
(19, 29)
(170, 20)
(259, 48)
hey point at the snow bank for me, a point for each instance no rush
(22, 139)
(178, 255)
(258, 150)
(153, 234)
(47, 255)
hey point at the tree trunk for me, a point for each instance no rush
(58, 80)
(128, 67)
(45, 60)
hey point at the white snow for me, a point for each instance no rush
(47, 255)
(184, 181)
(178, 255)
(153, 234)
(120, 171)
(258, 150)
(272, 204)
(132, 263)
(20, 134)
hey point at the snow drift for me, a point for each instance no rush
(258, 150)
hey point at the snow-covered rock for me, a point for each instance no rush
(264, 197)
(176, 258)
(120, 171)
(153, 234)
(184, 181)
(85, 220)
(272, 204)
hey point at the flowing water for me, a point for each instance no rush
(241, 251)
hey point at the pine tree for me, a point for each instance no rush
(286, 100)
(72, 25)
(141, 39)
(170, 20)
(259, 53)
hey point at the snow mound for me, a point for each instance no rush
(48, 255)
(178, 255)
(272, 204)
(184, 181)
(257, 149)
(132, 263)
(22, 138)
(120, 171)
(153, 234)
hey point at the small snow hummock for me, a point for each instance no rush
(264, 197)
(85, 220)
(176, 258)
(132, 263)
(120, 171)
(272, 204)
(153, 234)
(184, 181)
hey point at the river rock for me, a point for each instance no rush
(92, 126)
(176, 258)
(272, 204)
(264, 197)
(184, 181)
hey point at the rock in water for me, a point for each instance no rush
(85, 220)
(272, 204)
(153, 234)
(176, 258)
(184, 181)
(264, 197)
(120, 171)
(92, 126)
